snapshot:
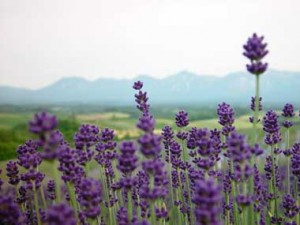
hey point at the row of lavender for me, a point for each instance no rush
(182, 176)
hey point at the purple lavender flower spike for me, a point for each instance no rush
(127, 160)
(55, 139)
(175, 148)
(107, 135)
(150, 144)
(255, 49)
(257, 150)
(9, 211)
(168, 135)
(86, 137)
(182, 119)
(122, 216)
(142, 102)
(207, 199)
(289, 206)
(244, 200)
(271, 127)
(90, 197)
(253, 104)
(288, 112)
(146, 123)
(295, 160)
(12, 171)
(51, 190)
(32, 179)
(226, 118)
(138, 85)
(42, 122)
(257, 68)
(72, 172)
(60, 214)
(28, 156)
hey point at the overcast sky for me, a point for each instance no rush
(42, 41)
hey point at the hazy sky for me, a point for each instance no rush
(42, 41)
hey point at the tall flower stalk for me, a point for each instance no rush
(255, 50)
(288, 113)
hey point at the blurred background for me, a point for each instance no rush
(79, 59)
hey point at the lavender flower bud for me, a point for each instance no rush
(138, 85)
(71, 171)
(12, 172)
(207, 199)
(9, 211)
(90, 197)
(150, 144)
(54, 140)
(142, 102)
(28, 157)
(146, 123)
(271, 127)
(257, 67)
(289, 206)
(255, 49)
(42, 122)
(51, 190)
(288, 112)
(253, 104)
(86, 137)
(226, 118)
(60, 214)
(295, 160)
(122, 216)
(127, 160)
(182, 119)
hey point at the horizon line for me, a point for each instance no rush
(141, 75)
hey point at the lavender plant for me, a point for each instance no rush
(183, 174)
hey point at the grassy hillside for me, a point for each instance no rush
(14, 120)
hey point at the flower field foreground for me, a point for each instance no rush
(191, 175)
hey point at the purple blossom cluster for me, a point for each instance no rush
(226, 118)
(255, 51)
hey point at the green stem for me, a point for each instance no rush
(57, 181)
(129, 205)
(43, 197)
(227, 211)
(86, 169)
(138, 208)
(256, 108)
(235, 206)
(187, 181)
(152, 203)
(288, 161)
(274, 182)
(36, 205)
(106, 195)
(72, 195)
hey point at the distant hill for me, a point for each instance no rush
(184, 88)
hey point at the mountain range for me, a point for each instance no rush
(184, 87)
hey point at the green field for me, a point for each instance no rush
(14, 130)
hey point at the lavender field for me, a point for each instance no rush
(234, 170)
